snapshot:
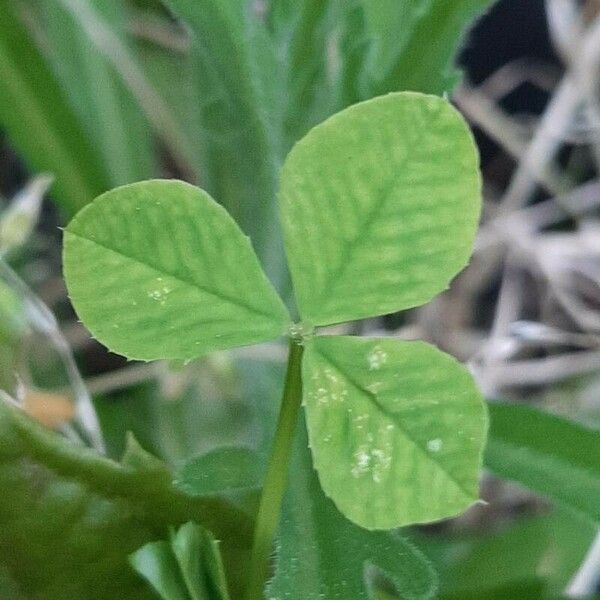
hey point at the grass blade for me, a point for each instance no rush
(555, 457)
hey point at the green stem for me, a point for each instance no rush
(277, 475)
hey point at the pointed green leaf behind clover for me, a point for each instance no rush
(186, 567)
(379, 206)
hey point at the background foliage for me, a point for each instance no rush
(216, 92)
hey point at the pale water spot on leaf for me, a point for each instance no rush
(376, 358)
(322, 396)
(331, 376)
(332, 389)
(374, 387)
(361, 421)
(362, 460)
(376, 461)
(382, 461)
(434, 445)
(160, 293)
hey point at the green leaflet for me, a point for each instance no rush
(396, 429)
(188, 567)
(158, 269)
(547, 454)
(42, 125)
(69, 518)
(380, 206)
(321, 554)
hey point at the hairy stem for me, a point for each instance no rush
(277, 474)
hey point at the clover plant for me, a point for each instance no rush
(379, 207)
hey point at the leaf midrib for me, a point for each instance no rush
(350, 247)
(220, 296)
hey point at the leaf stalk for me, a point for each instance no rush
(277, 475)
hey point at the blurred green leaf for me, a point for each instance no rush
(171, 72)
(412, 45)
(21, 216)
(157, 564)
(552, 546)
(158, 269)
(547, 454)
(547, 549)
(338, 53)
(13, 319)
(396, 429)
(13, 325)
(200, 561)
(131, 411)
(323, 555)
(186, 413)
(188, 567)
(110, 114)
(9, 590)
(241, 101)
(39, 121)
(380, 205)
(69, 518)
(221, 471)
(233, 473)
(302, 34)
(390, 25)
(533, 589)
